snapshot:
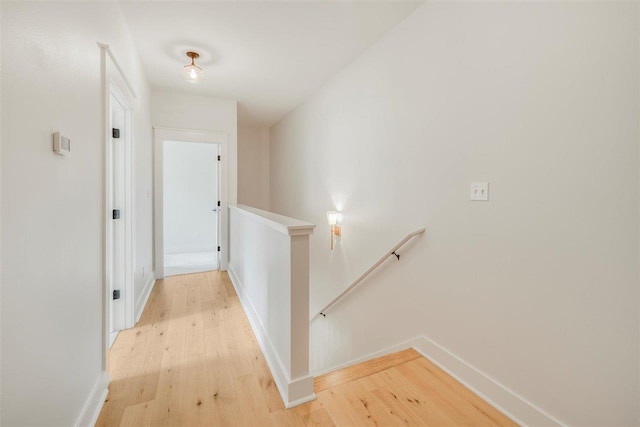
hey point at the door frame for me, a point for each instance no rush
(186, 135)
(127, 211)
(114, 80)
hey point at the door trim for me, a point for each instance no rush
(112, 76)
(128, 210)
(185, 135)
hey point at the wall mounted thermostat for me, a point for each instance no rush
(61, 144)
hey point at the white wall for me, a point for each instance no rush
(52, 206)
(143, 183)
(190, 195)
(538, 287)
(143, 168)
(269, 268)
(253, 167)
(1, 139)
(191, 112)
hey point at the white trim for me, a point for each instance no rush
(93, 405)
(112, 338)
(222, 139)
(297, 388)
(128, 210)
(110, 79)
(280, 223)
(105, 48)
(104, 90)
(142, 299)
(301, 401)
(498, 395)
(289, 389)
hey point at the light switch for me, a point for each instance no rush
(480, 191)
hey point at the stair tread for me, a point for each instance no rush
(361, 370)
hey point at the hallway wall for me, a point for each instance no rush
(253, 167)
(538, 288)
(1, 139)
(194, 112)
(51, 215)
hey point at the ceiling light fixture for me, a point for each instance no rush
(192, 70)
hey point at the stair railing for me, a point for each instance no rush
(391, 252)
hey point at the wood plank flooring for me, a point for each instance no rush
(193, 360)
(370, 367)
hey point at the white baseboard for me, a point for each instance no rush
(93, 405)
(293, 392)
(498, 395)
(492, 391)
(112, 337)
(141, 300)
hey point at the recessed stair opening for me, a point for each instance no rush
(402, 388)
(193, 360)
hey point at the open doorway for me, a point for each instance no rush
(191, 207)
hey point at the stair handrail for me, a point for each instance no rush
(391, 252)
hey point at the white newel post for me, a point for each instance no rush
(269, 267)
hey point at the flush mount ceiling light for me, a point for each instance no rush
(192, 70)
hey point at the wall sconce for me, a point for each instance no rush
(336, 230)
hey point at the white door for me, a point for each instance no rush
(117, 275)
(191, 207)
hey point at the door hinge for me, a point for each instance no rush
(116, 294)
(115, 132)
(218, 202)
(218, 158)
(218, 248)
(116, 214)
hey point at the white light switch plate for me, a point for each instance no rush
(480, 191)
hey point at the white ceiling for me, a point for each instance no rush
(269, 56)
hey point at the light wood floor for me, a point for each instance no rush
(193, 360)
